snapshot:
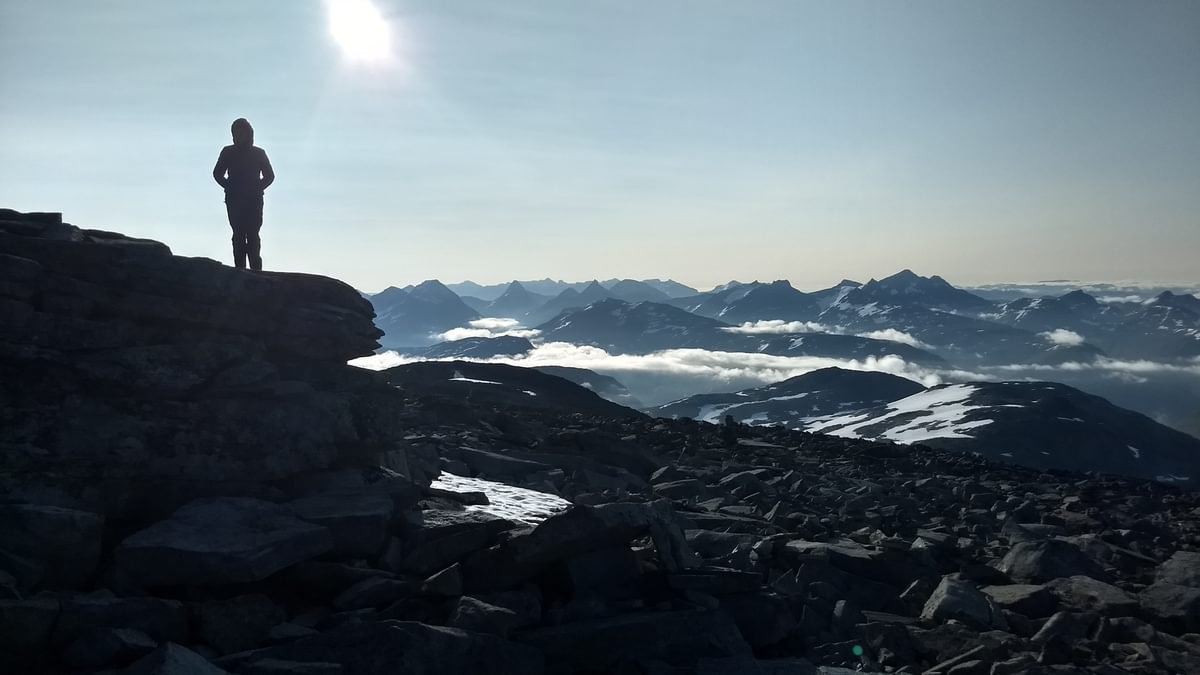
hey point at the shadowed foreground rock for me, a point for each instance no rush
(254, 507)
(135, 380)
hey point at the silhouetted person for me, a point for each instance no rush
(244, 171)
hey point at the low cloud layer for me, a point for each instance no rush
(781, 327)
(673, 373)
(893, 335)
(778, 327)
(1063, 337)
(1108, 365)
(489, 327)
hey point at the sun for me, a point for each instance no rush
(360, 30)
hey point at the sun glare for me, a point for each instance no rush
(360, 30)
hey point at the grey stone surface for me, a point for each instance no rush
(220, 541)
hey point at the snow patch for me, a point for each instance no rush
(939, 411)
(467, 379)
(518, 504)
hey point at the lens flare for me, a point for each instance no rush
(360, 31)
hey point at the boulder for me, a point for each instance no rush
(107, 647)
(763, 618)
(266, 666)
(279, 667)
(748, 665)
(173, 659)
(367, 481)
(1037, 562)
(1085, 594)
(689, 488)
(525, 602)
(220, 541)
(446, 583)
(26, 627)
(579, 530)
(1067, 627)
(375, 592)
(237, 624)
(476, 615)
(1181, 569)
(358, 522)
(390, 647)
(1173, 607)
(956, 598)
(1033, 601)
(64, 544)
(678, 638)
(163, 620)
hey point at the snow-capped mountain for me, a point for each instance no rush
(712, 303)
(1075, 311)
(831, 345)
(1167, 327)
(645, 327)
(1039, 424)
(906, 287)
(827, 296)
(961, 339)
(415, 315)
(827, 391)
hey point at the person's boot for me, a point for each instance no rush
(239, 253)
(256, 263)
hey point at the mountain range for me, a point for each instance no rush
(1038, 424)
(952, 323)
(1142, 353)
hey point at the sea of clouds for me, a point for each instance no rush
(1168, 392)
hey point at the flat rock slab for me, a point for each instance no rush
(1031, 600)
(392, 647)
(1085, 594)
(63, 544)
(172, 659)
(959, 599)
(1041, 561)
(1182, 569)
(358, 522)
(221, 541)
(677, 638)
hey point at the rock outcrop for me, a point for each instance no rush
(669, 547)
(134, 380)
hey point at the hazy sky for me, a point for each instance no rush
(983, 141)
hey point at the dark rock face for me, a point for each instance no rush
(221, 541)
(388, 647)
(59, 547)
(687, 548)
(147, 379)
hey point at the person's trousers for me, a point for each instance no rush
(245, 218)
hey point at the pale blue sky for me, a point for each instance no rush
(983, 141)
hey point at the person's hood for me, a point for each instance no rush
(243, 133)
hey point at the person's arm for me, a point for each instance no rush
(268, 174)
(219, 170)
